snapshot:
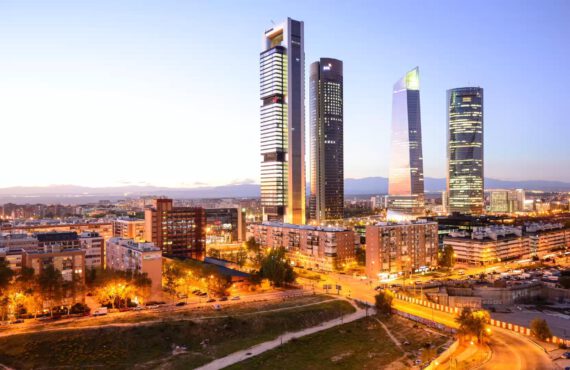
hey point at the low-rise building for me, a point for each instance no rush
(323, 248)
(400, 247)
(484, 245)
(545, 238)
(144, 258)
(18, 241)
(61, 240)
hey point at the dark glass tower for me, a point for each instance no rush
(465, 177)
(327, 158)
(282, 87)
(406, 176)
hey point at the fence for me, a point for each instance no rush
(500, 324)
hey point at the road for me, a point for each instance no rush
(510, 350)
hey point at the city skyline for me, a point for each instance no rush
(126, 86)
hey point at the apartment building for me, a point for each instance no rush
(322, 248)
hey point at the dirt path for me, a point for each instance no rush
(280, 340)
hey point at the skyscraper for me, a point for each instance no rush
(406, 174)
(327, 157)
(282, 86)
(465, 150)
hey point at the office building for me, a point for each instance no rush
(225, 225)
(327, 143)
(400, 247)
(465, 172)
(143, 258)
(177, 231)
(484, 245)
(322, 248)
(507, 201)
(406, 173)
(129, 228)
(282, 93)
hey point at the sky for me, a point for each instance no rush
(105, 92)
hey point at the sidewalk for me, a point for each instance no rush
(282, 339)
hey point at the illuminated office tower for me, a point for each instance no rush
(282, 86)
(406, 174)
(465, 180)
(327, 159)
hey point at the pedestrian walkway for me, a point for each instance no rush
(282, 339)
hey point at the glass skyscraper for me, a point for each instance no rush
(327, 154)
(282, 87)
(406, 175)
(465, 181)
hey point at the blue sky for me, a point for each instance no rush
(166, 92)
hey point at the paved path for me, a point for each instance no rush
(266, 346)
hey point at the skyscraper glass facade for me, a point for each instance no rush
(283, 123)
(465, 176)
(406, 173)
(327, 153)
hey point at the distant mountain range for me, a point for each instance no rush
(363, 186)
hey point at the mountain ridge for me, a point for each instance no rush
(362, 186)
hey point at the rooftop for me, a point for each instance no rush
(304, 227)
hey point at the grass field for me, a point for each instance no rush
(362, 344)
(150, 345)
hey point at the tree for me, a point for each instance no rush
(171, 276)
(50, 283)
(6, 275)
(218, 284)
(428, 354)
(383, 303)
(565, 282)
(241, 258)
(447, 257)
(473, 323)
(276, 269)
(252, 245)
(539, 328)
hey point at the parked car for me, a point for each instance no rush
(17, 321)
(566, 355)
(217, 307)
(181, 304)
(236, 298)
(210, 300)
(100, 311)
(223, 299)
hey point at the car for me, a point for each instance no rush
(236, 298)
(152, 306)
(406, 343)
(566, 355)
(180, 304)
(17, 321)
(210, 300)
(203, 294)
(217, 307)
(223, 299)
(138, 308)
